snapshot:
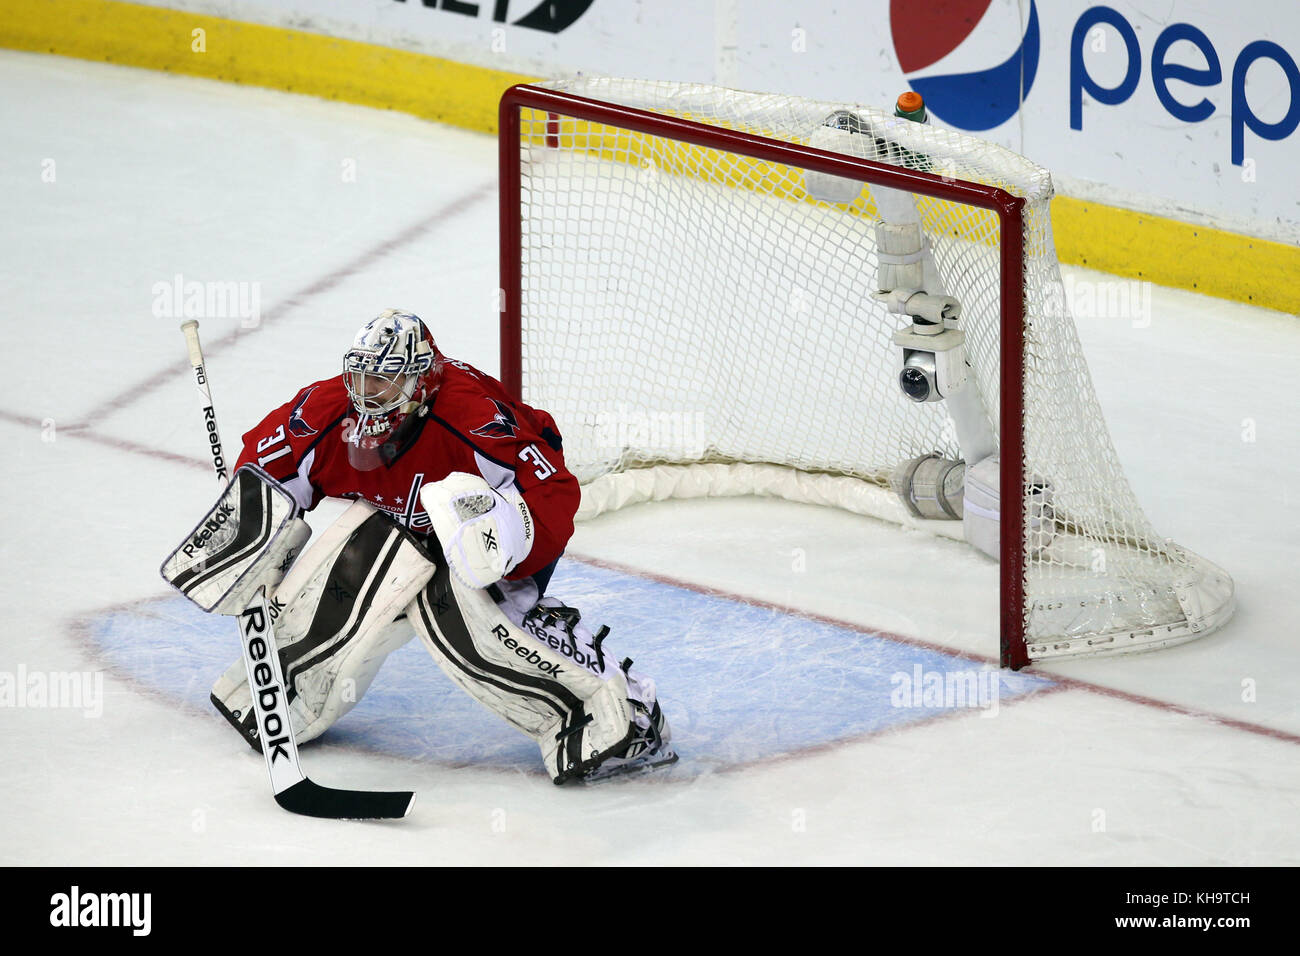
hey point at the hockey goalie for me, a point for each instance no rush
(462, 506)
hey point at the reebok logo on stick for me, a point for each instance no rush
(266, 689)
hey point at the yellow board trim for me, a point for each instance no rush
(1139, 245)
(163, 39)
(1172, 253)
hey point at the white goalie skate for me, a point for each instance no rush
(649, 748)
(649, 734)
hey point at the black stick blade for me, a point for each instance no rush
(312, 800)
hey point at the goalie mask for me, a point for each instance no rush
(392, 366)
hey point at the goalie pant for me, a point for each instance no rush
(339, 613)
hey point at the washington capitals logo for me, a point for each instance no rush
(502, 425)
(296, 424)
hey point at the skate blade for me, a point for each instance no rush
(632, 769)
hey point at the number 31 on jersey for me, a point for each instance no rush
(270, 441)
(544, 469)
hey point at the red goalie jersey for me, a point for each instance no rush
(472, 425)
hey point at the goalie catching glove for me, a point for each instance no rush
(485, 532)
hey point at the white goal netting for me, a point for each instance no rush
(698, 323)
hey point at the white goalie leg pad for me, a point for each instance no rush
(335, 621)
(561, 627)
(560, 689)
(244, 542)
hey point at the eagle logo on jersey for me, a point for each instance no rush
(296, 424)
(503, 423)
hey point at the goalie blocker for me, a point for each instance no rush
(354, 597)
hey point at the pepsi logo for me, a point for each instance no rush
(935, 41)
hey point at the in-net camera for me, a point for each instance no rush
(934, 351)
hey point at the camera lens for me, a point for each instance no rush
(914, 383)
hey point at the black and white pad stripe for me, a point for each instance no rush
(255, 526)
(443, 626)
(354, 579)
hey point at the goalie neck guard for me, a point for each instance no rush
(392, 367)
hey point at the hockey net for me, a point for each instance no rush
(700, 324)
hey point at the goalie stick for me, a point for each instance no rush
(293, 790)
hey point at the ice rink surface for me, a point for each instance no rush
(777, 632)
